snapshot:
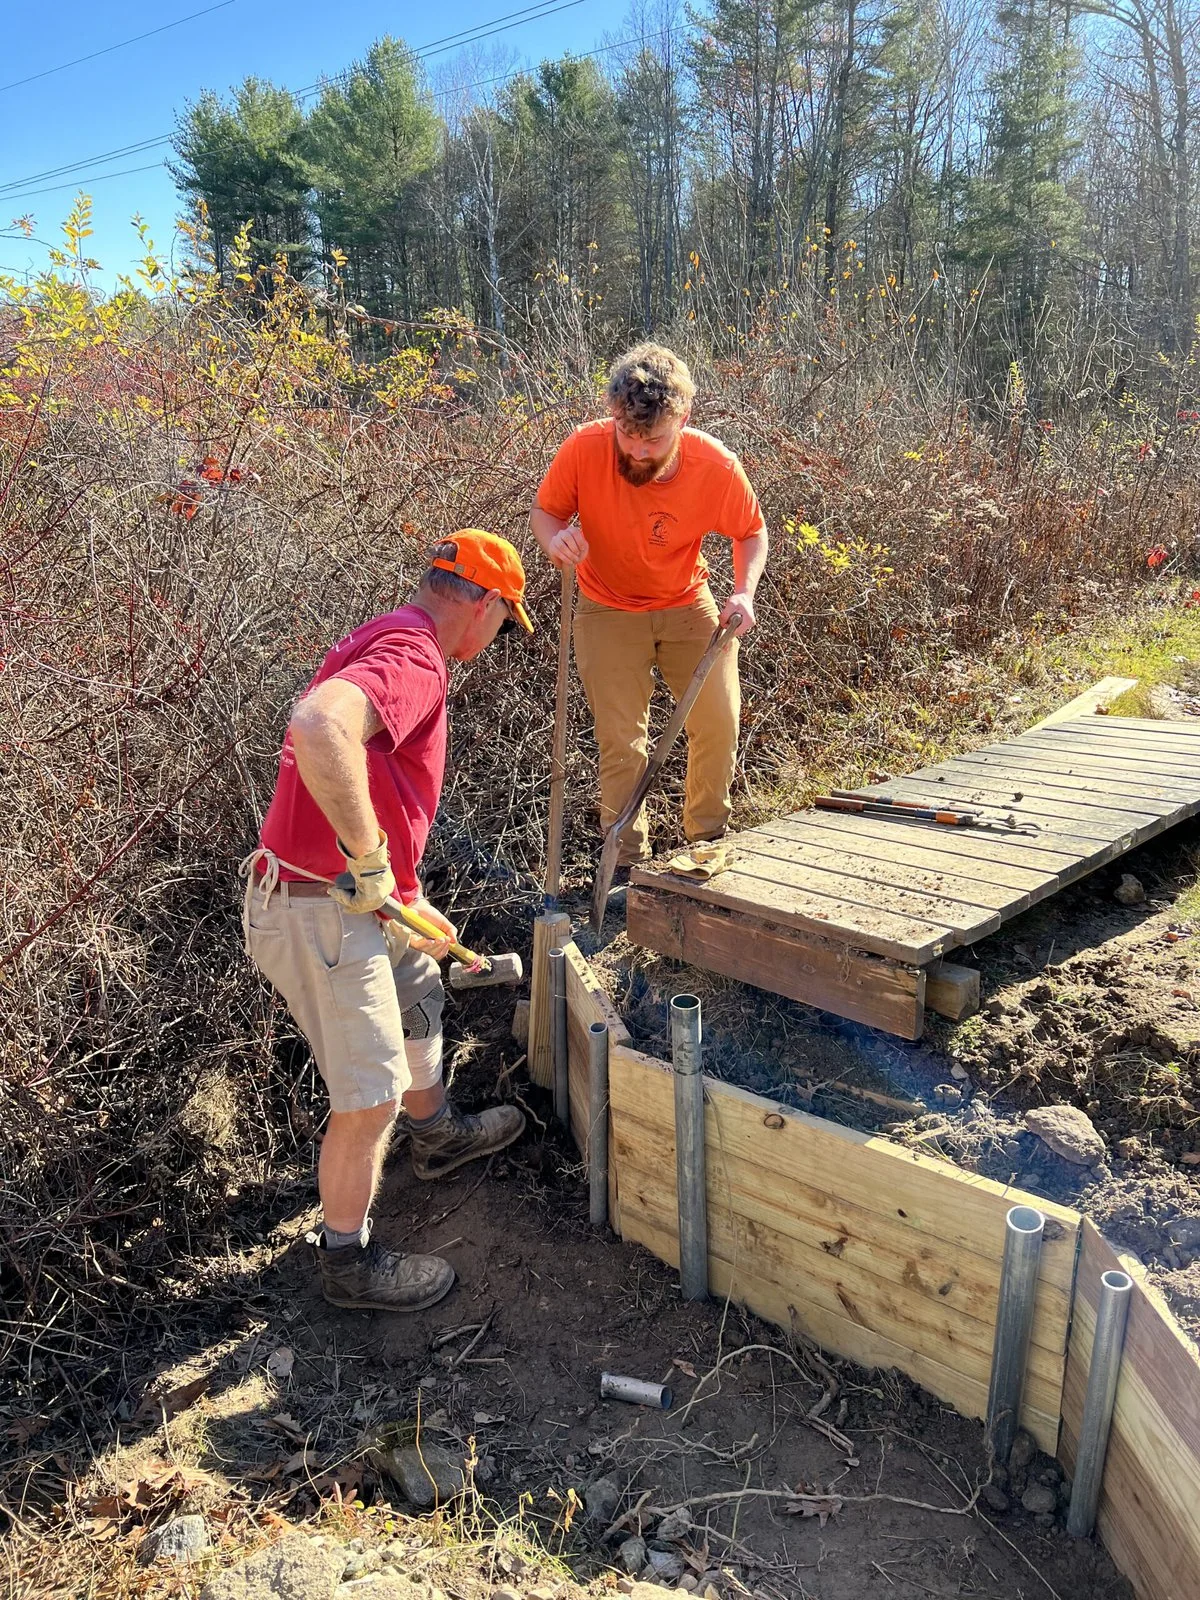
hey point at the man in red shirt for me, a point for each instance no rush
(628, 502)
(359, 781)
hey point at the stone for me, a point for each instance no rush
(1184, 1234)
(180, 1538)
(995, 1499)
(395, 1554)
(1129, 892)
(664, 1566)
(632, 1555)
(293, 1569)
(689, 1583)
(649, 1591)
(505, 1594)
(947, 1094)
(1022, 1452)
(544, 1591)
(359, 1562)
(625, 1585)
(388, 1586)
(1067, 1131)
(602, 1499)
(429, 1476)
(674, 1528)
(1040, 1500)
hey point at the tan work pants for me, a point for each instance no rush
(616, 653)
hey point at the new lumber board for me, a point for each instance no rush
(817, 972)
(550, 931)
(1086, 704)
(587, 1002)
(1151, 1486)
(747, 1230)
(882, 932)
(939, 1208)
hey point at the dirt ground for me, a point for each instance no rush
(890, 1474)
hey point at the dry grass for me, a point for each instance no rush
(158, 622)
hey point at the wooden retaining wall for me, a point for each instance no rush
(892, 1259)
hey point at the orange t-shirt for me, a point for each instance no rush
(644, 542)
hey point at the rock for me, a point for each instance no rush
(360, 1562)
(665, 1566)
(1045, 1521)
(1040, 1500)
(505, 1594)
(391, 1586)
(649, 1591)
(293, 1569)
(429, 1476)
(1067, 1131)
(1184, 1234)
(995, 1499)
(958, 1071)
(689, 1583)
(602, 1499)
(1022, 1452)
(544, 1591)
(632, 1556)
(947, 1094)
(520, 1024)
(1129, 892)
(625, 1586)
(180, 1538)
(674, 1528)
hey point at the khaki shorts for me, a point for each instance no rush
(352, 1004)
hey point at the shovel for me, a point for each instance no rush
(612, 839)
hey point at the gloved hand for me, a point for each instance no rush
(373, 880)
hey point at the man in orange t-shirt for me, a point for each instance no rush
(627, 502)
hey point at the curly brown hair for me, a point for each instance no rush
(648, 385)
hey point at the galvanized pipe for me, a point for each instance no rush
(559, 1059)
(689, 1147)
(1116, 1291)
(1014, 1322)
(597, 1145)
(635, 1391)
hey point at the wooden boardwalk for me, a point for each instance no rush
(854, 914)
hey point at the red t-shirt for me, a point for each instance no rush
(398, 664)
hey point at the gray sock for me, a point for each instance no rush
(423, 1124)
(339, 1241)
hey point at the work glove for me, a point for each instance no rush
(373, 882)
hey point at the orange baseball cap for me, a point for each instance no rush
(491, 562)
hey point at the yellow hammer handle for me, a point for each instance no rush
(428, 930)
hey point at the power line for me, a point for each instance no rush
(99, 177)
(49, 72)
(500, 24)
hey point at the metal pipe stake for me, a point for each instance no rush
(597, 1150)
(689, 1147)
(1116, 1291)
(1014, 1322)
(635, 1391)
(559, 1058)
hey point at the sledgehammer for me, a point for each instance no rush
(470, 970)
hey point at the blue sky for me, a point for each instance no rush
(134, 94)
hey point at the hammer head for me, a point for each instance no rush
(491, 971)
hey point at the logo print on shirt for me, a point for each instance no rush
(658, 529)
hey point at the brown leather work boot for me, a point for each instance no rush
(460, 1136)
(368, 1277)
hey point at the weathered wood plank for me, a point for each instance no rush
(775, 1173)
(1066, 747)
(865, 988)
(969, 846)
(939, 880)
(887, 845)
(952, 990)
(963, 779)
(882, 932)
(1166, 746)
(969, 921)
(1085, 704)
(1151, 1487)
(1057, 770)
(1185, 727)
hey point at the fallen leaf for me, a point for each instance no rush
(162, 1407)
(685, 1367)
(302, 1461)
(280, 1362)
(482, 1419)
(22, 1429)
(1191, 1158)
(288, 1425)
(810, 1505)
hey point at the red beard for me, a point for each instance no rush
(639, 473)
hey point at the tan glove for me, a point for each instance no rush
(373, 880)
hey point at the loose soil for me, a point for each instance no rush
(757, 1417)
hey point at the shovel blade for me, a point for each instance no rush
(604, 877)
